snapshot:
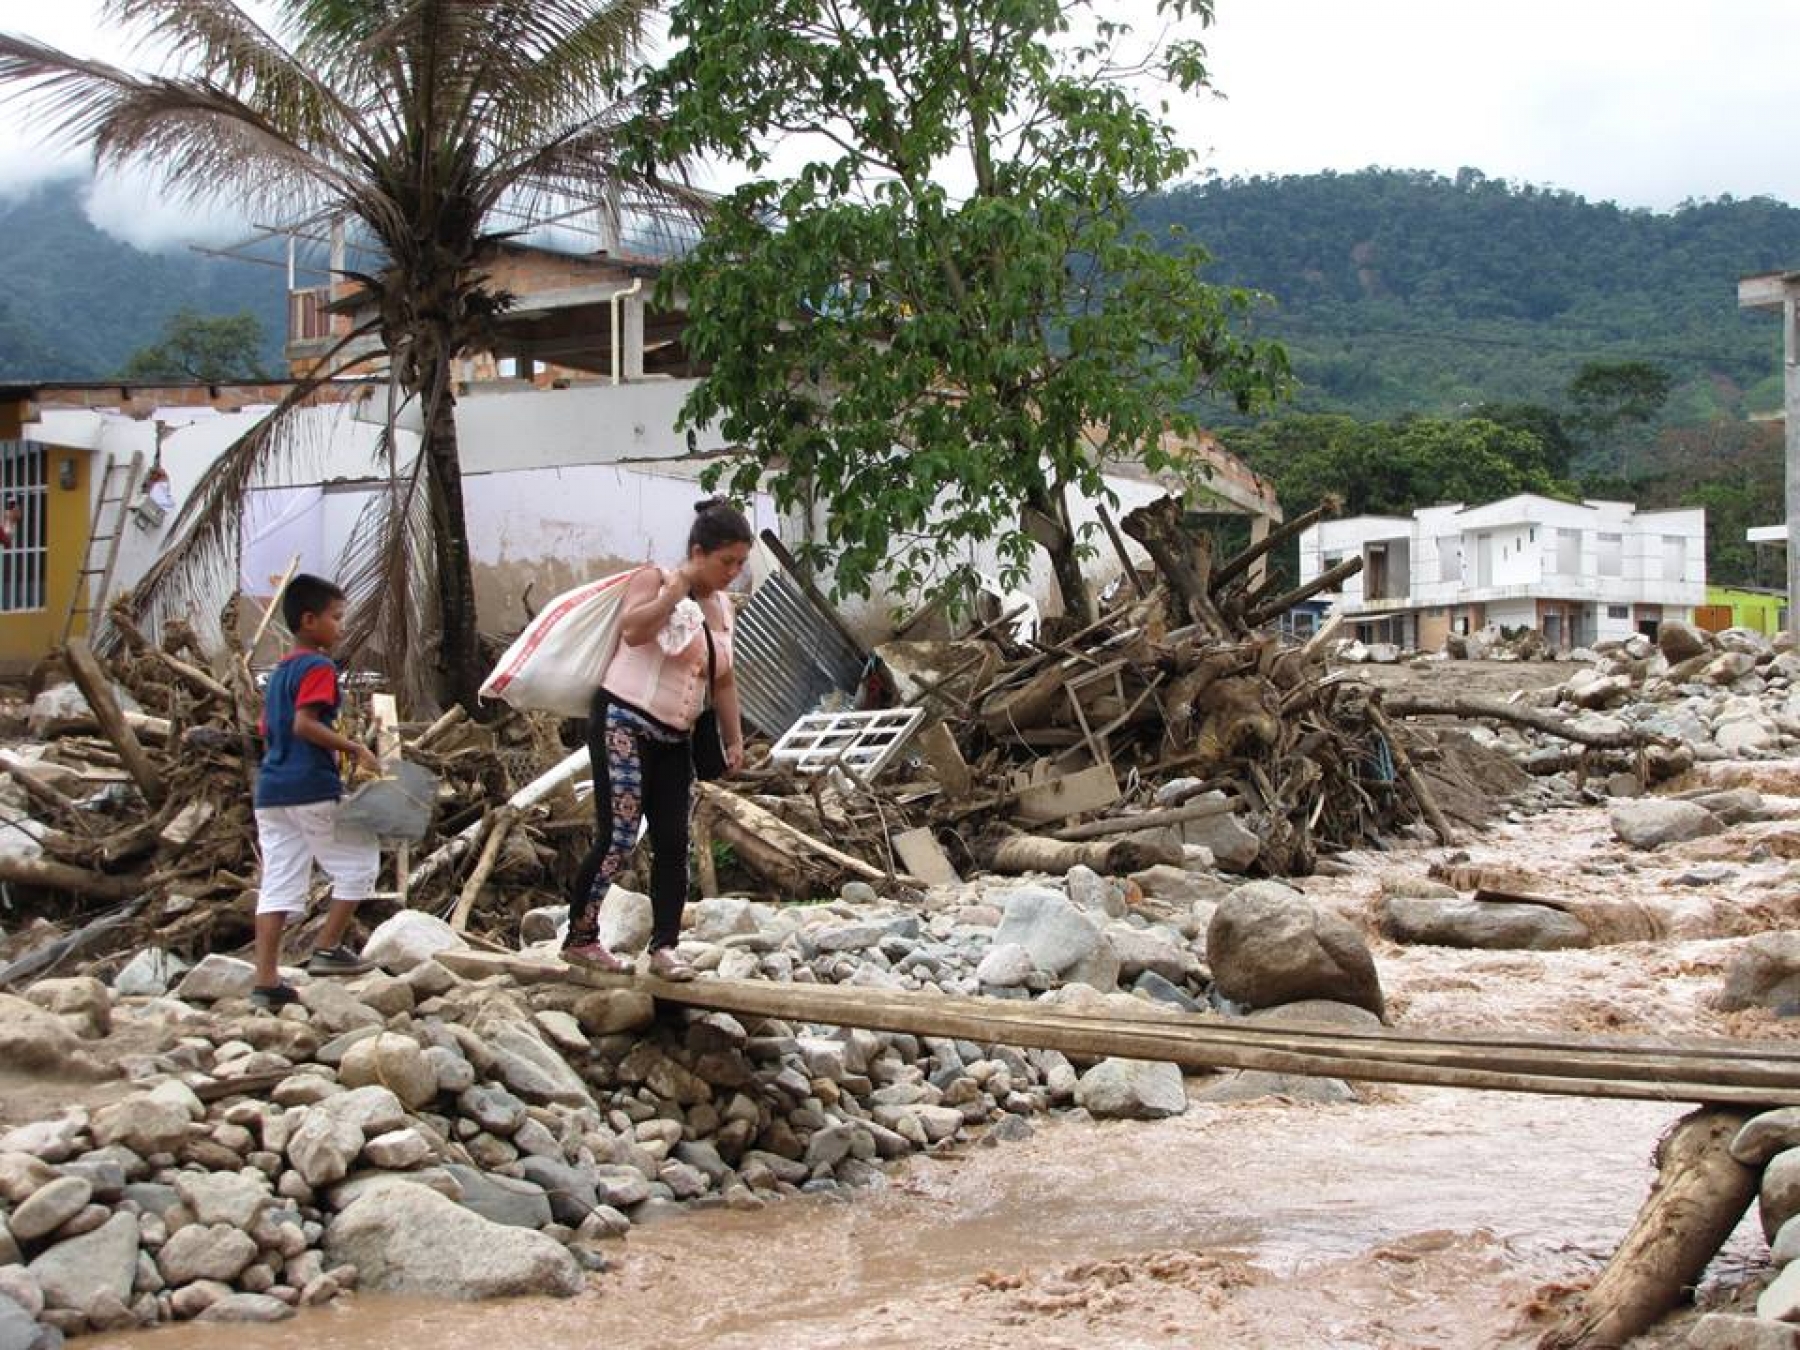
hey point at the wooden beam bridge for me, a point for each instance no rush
(1677, 1070)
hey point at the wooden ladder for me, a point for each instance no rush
(107, 528)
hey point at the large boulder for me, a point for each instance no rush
(1764, 973)
(1651, 822)
(41, 1042)
(73, 1273)
(1060, 938)
(217, 977)
(509, 1201)
(1132, 1089)
(143, 1123)
(411, 938)
(1459, 922)
(408, 1239)
(1268, 944)
(625, 920)
(1681, 641)
(81, 1001)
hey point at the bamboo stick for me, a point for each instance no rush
(503, 821)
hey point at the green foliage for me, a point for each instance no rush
(928, 365)
(215, 349)
(1409, 292)
(79, 302)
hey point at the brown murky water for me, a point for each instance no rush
(1430, 1218)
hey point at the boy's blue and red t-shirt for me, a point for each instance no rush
(295, 772)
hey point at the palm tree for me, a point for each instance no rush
(415, 120)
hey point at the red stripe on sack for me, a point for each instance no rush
(541, 626)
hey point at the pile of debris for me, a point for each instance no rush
(1645, 711)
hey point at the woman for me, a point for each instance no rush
(639, 732)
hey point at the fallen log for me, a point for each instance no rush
(1699, 1195)
(1474, 705)
(97, 689)
(1239, 563)
(1325, 581)
(1434, 815)
(1183, 557)
(447, 853)
(772, 828)
(1021, 853)
(504, 819)
(40, 959)
(1148, 820)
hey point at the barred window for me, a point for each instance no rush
(23, 552)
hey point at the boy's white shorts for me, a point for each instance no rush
(292, 838)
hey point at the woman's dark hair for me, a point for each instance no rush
(718, 523)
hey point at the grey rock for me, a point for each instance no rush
(1679, 641)
(1234, 848)
(18, 1328)
(511, 1201)
(348, 1192)
(493, 1108)
(142, 1124)
(1132, 1089)
(336, 1009)
(205, 1252)
(49, 1208)
(1778, 1198)
(217, 977)
(411, 938)
(1764, 972)
(1786, 1244)
(625, 920)
(50, 1141)
(398, 1150)
(149, 974)
(1726, 1331)
(410, 1240)
(1180, 885)
(371, 1108)
(1651, 822)
(1494, 925)
(1148, 949)
(570, 1190)
(16, 1283)
(1268, 945)
(392, 1061)
(74, 1272)
(1005, 966)
(1154, 986)
(454, 1073)
(1090, 891)
(234, 1198)
(716, 920)
(247, 1308)
(1766, 1134)
(81, 1001)
(534, 1070)
(848, 937)
(1780, 1302)
(546, 923)
(1060, 938)
(1735, 806)
(322, 1148)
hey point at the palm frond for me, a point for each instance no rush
(223, 46)
(193, 137)
(388, 571)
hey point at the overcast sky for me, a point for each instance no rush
(1642, 102)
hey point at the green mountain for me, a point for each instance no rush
(78, 302)
(1400, 292)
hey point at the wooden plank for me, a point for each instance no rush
(1151, 820)
(947, 763)
(1090, 789)
(97, 689)
(1196, 1043)
(920, 854)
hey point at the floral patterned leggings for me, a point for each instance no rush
(641, 771)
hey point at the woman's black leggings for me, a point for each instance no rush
(636, 776)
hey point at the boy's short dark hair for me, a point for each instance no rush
(307, 594)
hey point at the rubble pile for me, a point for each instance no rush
(1642, 712)
(1173, 730)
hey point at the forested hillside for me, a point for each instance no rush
(76, 302)
(1403, 292)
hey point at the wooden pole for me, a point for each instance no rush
(1699, 1195)
(97, 689)
(1539, 719)
(504, 820)
(1325, 581)
(1238, 563)
(1415, 784)
(1118, 543)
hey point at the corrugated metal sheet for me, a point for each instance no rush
(789, 656)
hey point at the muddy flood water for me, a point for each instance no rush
(1413, 1217)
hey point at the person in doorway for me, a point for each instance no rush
(10, 518)
(297, 792)
(674, 626)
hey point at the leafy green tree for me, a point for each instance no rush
(412, 119)
(204, 348)
(1614, 400)
(940, 365)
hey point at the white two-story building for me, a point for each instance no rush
(1578, 572)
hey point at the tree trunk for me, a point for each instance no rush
(1700, 1193)
(1052, 530)
(460, 665)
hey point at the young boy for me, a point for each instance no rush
(297, 791)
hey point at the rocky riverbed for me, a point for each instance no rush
(167, 1154)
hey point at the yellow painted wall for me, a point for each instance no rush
(26, 638)
(1749, 609)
